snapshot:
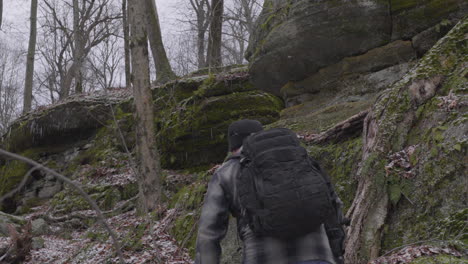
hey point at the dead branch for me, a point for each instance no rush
(79, 189)
(20, 244)
(20, 186)
(343, 130)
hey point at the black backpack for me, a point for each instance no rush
(281, 192)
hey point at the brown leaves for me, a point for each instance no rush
(20, 244)
(409, 253)
(449, 102)
(400, 163)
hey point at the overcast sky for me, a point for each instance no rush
(15, 26)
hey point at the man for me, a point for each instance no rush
(221, 199)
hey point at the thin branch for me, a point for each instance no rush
(20, 186)
(79, 189)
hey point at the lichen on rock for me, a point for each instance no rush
(412, 113)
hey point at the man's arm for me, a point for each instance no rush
(335, 231)
(213, 223)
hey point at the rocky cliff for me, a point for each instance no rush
(294, 39)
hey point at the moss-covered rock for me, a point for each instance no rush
(340, 161)
(187, 202)
(414, 155)
(193, 132)
(58, 125)
(67, 201)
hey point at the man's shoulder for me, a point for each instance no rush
(230, 166)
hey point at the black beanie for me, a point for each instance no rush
(241, 129)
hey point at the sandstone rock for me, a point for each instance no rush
(193, 131)
(296, 38)
(37, 243)
(49, 189)
(423, 41)
(66, 122)
(409, 17)
(40, 227)
(344, 75)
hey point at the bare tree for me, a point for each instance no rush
(28, 84)
(197, 15)
(10, 85)
(164, 71)
(149, 169)
(239, 25)
(1, 12)
(91, 23)
(215, 35)
(202, 9)
(181, 53)
(126, 44)
(79, 46)
(104, 62)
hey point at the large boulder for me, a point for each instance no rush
(193, 131)
(296, 38)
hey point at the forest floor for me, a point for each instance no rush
(142, 242)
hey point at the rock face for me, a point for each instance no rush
(193, 130)
(410, 180)
(192, 116)
(294, 39)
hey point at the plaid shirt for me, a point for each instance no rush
(220, 200)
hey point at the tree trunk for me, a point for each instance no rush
(164, 71)
(66, 81)
(201, 47)
(28, 83)
(79, 48)
(149, 168)
(214, 39)
(1, 12)
(128, 83)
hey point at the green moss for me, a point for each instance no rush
(106, 196)
(340, 161)
(188, 202)
(194, 133)
(132, 240)
(439, 259)
(99, 236)
(398, 5)
(129, 190)
(12, 174)
(30, 203)
(184, 231)
(452, 226)
(13, 171)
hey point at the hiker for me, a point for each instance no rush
(308, 246)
